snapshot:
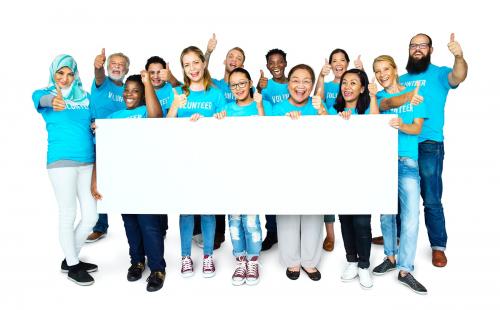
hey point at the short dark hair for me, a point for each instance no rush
(155, 60)
(276, 51)
(305, 67)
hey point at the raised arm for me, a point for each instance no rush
(212, 43)
(152, 104)
(372, 88)
(99, 73)
(460, 67)
(320, 84)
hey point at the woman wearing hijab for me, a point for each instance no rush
(64, 106)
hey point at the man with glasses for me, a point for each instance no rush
(435, 82)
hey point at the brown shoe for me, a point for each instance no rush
(439, 258)
(378, 240)
(328, 245)
(94, 236)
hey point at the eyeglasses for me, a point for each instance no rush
(240, 84)
(419, 46)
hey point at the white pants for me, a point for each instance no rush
(70, 184)
(300, 239)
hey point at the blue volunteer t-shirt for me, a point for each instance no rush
(163, 93)
(331, 92)
(333, 111)
(205, 102)
(285, 107)
(106, 99)
(224, 87)
(407, 144)
(139, 112)
(434, 87)
(69, 133)
(233, 109)
(275, 92)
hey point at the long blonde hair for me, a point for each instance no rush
(391, 62)
(207, 79)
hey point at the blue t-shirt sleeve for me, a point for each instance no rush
(220, 102)
(443, 78)
(37, 95)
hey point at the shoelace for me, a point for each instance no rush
(240, 269)
(187, 263)
(208, 263)
(253, 268)
(411, 280)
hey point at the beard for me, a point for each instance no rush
(415, 66)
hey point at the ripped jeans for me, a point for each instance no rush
(246, 235)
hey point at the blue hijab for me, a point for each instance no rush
(76, 94)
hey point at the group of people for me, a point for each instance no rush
(416, 99)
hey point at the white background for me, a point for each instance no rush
(33, 33)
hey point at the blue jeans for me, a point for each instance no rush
(102, 223)
(430, 161)
(409, 200)
(186, 225)
(246, 235)
(145, 238)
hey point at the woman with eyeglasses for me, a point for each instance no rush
(300, 236)
(245, 229)
(195, 99)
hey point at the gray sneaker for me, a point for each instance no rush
(384, 268)
(412, 283)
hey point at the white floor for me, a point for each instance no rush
(32, 277)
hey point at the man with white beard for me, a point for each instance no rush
(106, 97)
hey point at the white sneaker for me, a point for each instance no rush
(187, 267)
(350, 272)
(208, 266)
(365, 278)
(240, 274)
(198, 240)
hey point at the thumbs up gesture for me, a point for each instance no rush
(454, 47)
(358, 64)
(58, 103)
(372, 88)
(326, 68)
(212, 43)
(257, 97)
(179, 100)
(318, 105)
(145, 78)
(262, 80)
(416, 99)
(165, 73)
(100, 59)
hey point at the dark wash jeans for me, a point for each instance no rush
(430, 162)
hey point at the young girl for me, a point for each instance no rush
(144, 231)
(337, 63)
(409, 121)
(246, 234)
(64, 106)
(300, 235)
(198, 98)
(356, 96)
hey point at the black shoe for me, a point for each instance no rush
(292, 275)
(412, 283)
(270, 240)
(384, 268)
(315, 276)
(219, 238)
(85, 266)
(135, 272)
(155, 281)
(80, 276)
